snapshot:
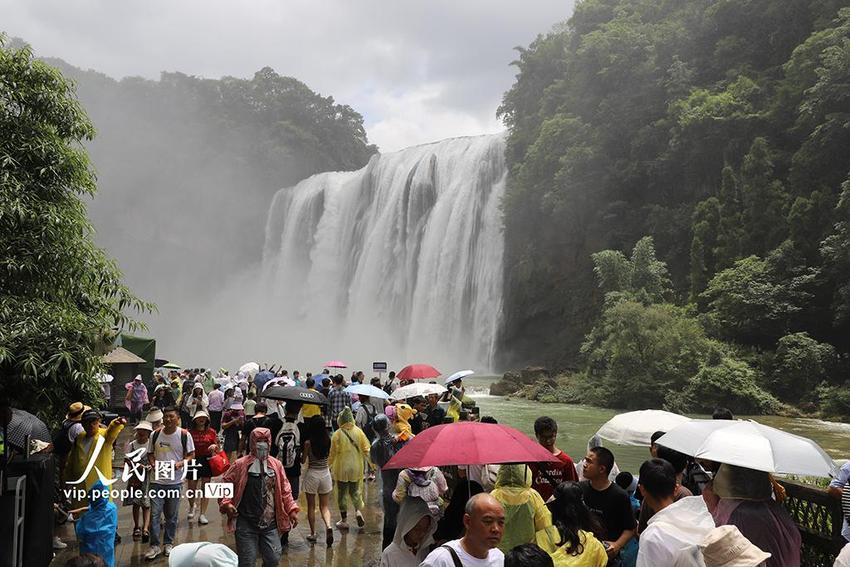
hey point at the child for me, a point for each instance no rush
(427, 483)
(139, 482)
(96, 529)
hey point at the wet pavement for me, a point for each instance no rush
(352, 548)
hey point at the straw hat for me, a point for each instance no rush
(201, 413)
(75, 411)
(145, 425)
(742, 483)
(726, 546)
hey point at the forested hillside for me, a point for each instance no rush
(721, 131)
(187, 167)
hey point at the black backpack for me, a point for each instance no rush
(369, 427)
(61, 444)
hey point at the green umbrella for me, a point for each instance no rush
(172, 366)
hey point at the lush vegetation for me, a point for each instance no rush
(61, 297)
(721, 130)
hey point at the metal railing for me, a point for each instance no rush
(819, 519)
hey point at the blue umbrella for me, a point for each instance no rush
(367, 390)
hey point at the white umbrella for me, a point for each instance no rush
(105, 378)
(751, 445)
(458, 375)
(637, 427)
(417, 389)
(250, 368)
(367, 390)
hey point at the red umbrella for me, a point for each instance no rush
(469, 443)
(335, 364)
(418, 372)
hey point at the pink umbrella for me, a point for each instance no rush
(335, 364)
(418, 372)
(469, 443)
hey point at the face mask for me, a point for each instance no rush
(262, 450)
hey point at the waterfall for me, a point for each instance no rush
(398, 261)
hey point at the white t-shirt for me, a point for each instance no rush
(442, 558)
(169, 448)
(673, 535)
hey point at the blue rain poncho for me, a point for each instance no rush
(96, 529)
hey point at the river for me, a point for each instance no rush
(577, 423)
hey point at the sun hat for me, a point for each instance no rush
(201, 413)
(726, 546)
(237, 405)
(138, 377)
(145, 425)
(742, 483)
(154, 415)
(75, 411)
(202, 554)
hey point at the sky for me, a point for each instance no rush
(418, 71)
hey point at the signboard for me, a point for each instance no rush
(379, 366)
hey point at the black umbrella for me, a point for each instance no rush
(295, 394)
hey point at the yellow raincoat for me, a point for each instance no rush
(403, 413)
(527, 519)
(349, 448)
(80, 455)
(593, 554)
(455, 404)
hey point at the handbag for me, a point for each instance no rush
(219, 463)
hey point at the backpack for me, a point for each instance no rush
(61, 443)
(289, 444)
(369, 428)
(183, 439)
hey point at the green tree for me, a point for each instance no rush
(61, 298)
(835, 250)
(799, 366)
(763, 200)
(642, 278)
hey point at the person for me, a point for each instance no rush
(63, 440)
(287, 449)
(527, 519)
(382, 450)
(653, 445)
(250, 404)
(843, 559)
(454, 395)
(261, 418)
(747, 500)
(607, 500)
(349, 449)
(136, 398)
(722, 413)
(309, 410)
(418, 422)
(136, 457)
(679, 462)
(317, 482)
(427, 483)
(578, 545)
(215, 405)
(403, 414)
(450, 525)
(547, 476)
(82, 453)
(185, 403)
(154, 417)
(205, 440)
(162, 397)
(392, 382)
(174, 448)
(262, 508)
(484, 520)
(231, 423)
(628, 482)
(528, 555)
(364, 417)
(677, 527)
(339, 399)
(414, 533)
(202, 554)
(96, 528)
(197, 402)
(596, 441)
(435, 414)
(835, 488)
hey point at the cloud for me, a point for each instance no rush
(418, 71)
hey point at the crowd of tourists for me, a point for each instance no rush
(193, 426)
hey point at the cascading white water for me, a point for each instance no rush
(401, 260)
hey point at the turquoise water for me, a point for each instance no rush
(577, 423)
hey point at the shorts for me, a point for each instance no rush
(317, 481)
(203, 470)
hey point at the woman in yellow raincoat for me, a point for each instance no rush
(577, 544)
(527, 519)
(82, 452)
(349, 448)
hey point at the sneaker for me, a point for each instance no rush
(203, 520)
(58, 543)
(152, 553)
(311, 538)
(168, 547)
(330, 536)
(191, 512)
(341, 525)
(360, 521)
